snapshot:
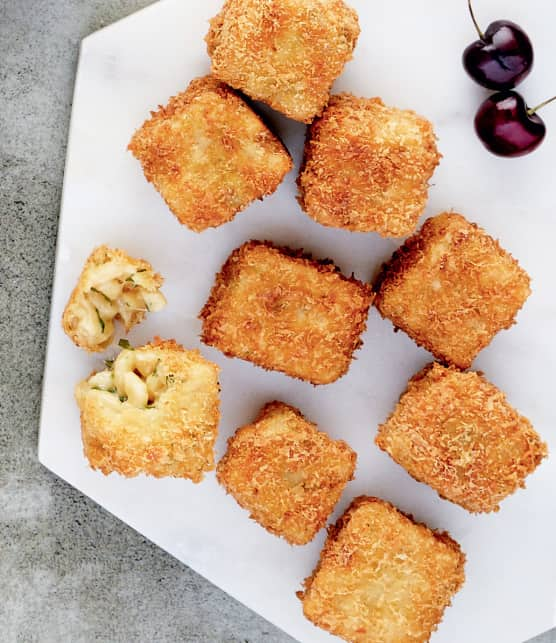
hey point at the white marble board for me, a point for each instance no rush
(409, 53)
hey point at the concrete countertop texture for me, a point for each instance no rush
(69, 571)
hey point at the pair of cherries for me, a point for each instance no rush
(501, 59)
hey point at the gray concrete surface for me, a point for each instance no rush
(69, 572)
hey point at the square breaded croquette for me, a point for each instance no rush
(451, 288)
(153, 410)
(285, 312)
(286, 53)
(457, 433)
(286, 473)
(209, 154)
(381, 577)
(367, 167)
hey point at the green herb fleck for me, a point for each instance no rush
(124, 343)
(155, 369)
(101, 293)
(130, 278)
(109, 363)
(170, 379)
(123, 398)
(104, 390)
(147, 307)
(100, 321)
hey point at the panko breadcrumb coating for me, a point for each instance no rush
(457, 433)
(381, 577)
(286, 473)
(286, 53)
(451, 288)
(285, 312)
(112, 287)
(154, 410)
(367, 167)
(209, 154)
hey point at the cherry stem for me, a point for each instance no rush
(481, 34)
(530, 112)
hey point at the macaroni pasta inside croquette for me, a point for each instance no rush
(113, 286)
(138, 378)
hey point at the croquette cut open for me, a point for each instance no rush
(451, 288)
(112, 287)
(209, 154)
(381, 577)
(286, 53)
(153, 410)
(457, 433)
(283, 311)
(285, 472)
(367, 167)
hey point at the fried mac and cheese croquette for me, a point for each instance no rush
(286, 473)
(154, 410)
(367, 167)
(381, 577)
(112, 286)
(451, 288)
(285, 312)
(286, 53)
(209, 154)
(457, 433)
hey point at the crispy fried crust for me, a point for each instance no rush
(283, 311)
(457, 433)
(451, 288)
(367, 166)
(286, 53)
(173, 434)
(286, 473)
(382, 577)
(209, 154)
(112, 287)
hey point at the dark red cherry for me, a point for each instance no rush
(501, 58)
(507, 127)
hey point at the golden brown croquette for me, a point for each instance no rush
(286, 53)
(382, 577)
(451, 288)
(285, 312)
(209, 154)
(457, 433)
(285, 472)
(367, 167)
(154, 410)
(112, 287)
